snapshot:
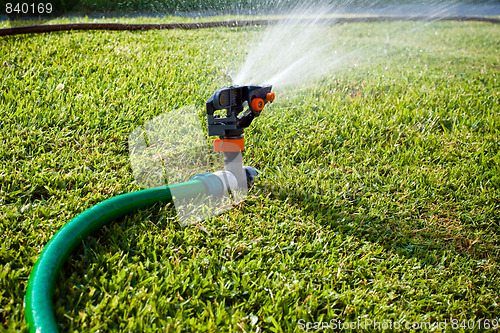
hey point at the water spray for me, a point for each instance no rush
(210, 187)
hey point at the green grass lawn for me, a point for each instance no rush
(379, 196)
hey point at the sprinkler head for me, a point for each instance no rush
(230, 128)
(233, 99)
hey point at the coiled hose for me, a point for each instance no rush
(38, 299)
(230, 24)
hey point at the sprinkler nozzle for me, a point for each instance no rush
(270, 97)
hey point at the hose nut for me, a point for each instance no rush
(251, 174)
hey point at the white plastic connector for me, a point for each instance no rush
(228, 180)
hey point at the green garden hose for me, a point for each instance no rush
(38, 299)
(231, 24)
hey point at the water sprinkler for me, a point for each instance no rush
(210, 186)
(230, 128)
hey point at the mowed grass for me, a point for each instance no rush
(378, 199)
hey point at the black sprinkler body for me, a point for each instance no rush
(233, 99)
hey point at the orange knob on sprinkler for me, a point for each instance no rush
(257, 104)
(270, 97)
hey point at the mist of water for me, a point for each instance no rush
(301, 48)
(288, 52)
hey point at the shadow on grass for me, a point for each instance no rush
(425, 234)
